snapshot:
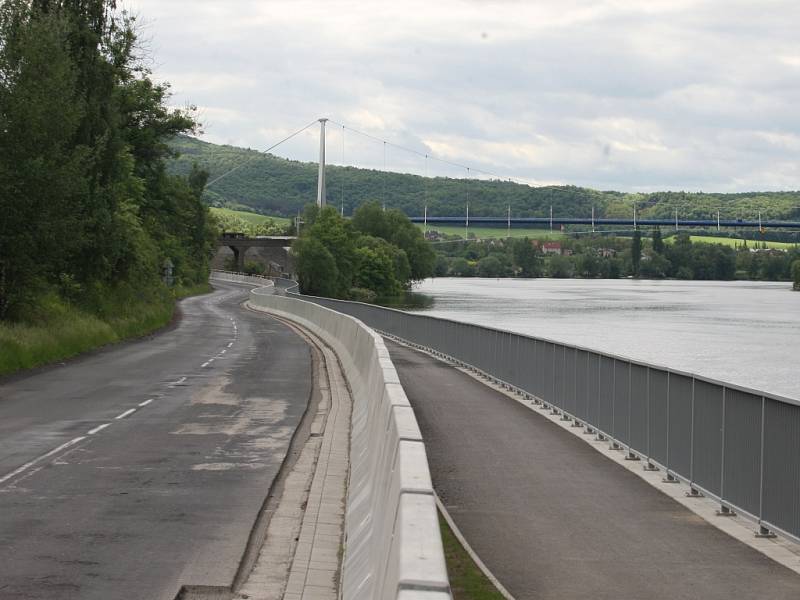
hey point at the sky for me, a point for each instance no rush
(695, 95)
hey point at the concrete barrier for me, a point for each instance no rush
(393, 549)
(230, 276)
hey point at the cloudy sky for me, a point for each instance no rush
(610, 94)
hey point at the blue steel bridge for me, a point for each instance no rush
(558, 221)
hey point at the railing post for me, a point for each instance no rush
(648, 466)
(724, 511)
(630, 455)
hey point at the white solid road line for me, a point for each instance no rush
(204, 365)
(231, 344)
(28, 465)
(146, 402)
(98, 428)
(125, 414)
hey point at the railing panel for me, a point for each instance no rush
(606, 394)
(570, 402)
(658, 416)
(741, 480)
(680, 424)
(638, 408)
(558, 376)
(781, 493)
(622, 383)
(593, 389)
(707, 436)
(581, 384)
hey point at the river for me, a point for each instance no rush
(747, 333)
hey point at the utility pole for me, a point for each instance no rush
(321, 177)
(717, 220)
(466, 225)
(426, 220)
(551, 218)
(509, 220)
(634, 215)
(592, 219)
(676, 219)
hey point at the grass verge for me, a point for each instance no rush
(467, 581)
(62, 330)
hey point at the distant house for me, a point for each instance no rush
(552, 248)
(607, 252)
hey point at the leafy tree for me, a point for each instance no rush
(560, 267)
(462, 268)
(636, 252)
(796, 274)
(587, 265)
(527, 258)
(489, 267)
(84, 131)
(317, 271)
(442, 267)
(658, 241)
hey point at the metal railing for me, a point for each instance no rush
(737, 445)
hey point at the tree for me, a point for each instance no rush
(461, 268)
(489, 267)
(84, 131)
(560, 267)
(636, 252)
(658, 241)
(316, 268)
(526, 258)
(796, 275)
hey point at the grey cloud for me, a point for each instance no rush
(633, 96)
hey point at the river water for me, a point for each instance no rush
(747, 333)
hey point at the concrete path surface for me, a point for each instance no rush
(141, 468)
(554, 519)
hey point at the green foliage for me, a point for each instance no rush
(489, 266)
(57, 329)
(273, 185)
(86, 201)
(378, 251)
(796, 274)
(636, 252)
(658, 241)
(526, 258)
(250, 224)
(316, 268)
(560, 267)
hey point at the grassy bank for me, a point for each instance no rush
(734, 242)
(57, 330)
(249, 217)
(494, 232)
(467, 581)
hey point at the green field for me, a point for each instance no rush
(495, 232)
(733, 242)
(249, 217)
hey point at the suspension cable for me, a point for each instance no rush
(259, 153)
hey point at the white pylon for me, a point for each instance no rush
(321, 177)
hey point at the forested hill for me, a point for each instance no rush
(277, 186)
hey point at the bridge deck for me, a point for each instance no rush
(553, 518)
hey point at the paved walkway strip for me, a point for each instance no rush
(301, 555)
(552, 518)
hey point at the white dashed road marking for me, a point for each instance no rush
(146, 402)
(204, 365)
(125, 414)
(98, 428)
(28, 465)
(231, 344)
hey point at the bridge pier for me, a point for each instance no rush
(238, 257)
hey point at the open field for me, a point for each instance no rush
(733, 242)
(495, 232)
(249, 217)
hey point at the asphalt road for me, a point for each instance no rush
(554, 519)
(141, 468)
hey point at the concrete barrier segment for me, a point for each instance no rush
(393, 546)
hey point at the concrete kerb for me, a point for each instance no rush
(393, 547)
